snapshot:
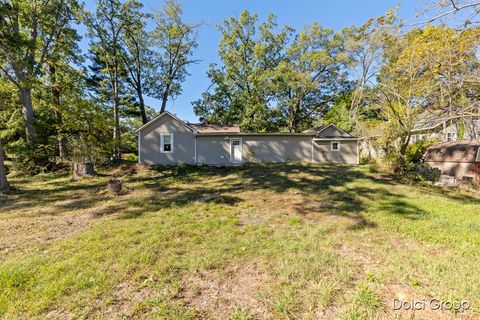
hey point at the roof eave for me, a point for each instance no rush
(256, 134)
(337, 138)
(161, 115)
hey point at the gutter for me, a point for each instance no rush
(257, 134)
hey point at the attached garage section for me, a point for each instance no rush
(336, 151)
(277, 148)
(213, 150)
(273, 148)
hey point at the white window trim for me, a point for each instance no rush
(331, 146)
(161, 141)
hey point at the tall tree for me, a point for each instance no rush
(60, 83)
(174, 40)
(242, 87)
(4, 185)
(364, 47)
(106, 27)
(433, 68)
(8, 102)
(465, 12)
(30, 33)
(310, 76)
(138, 59)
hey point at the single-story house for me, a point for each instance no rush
(457, 159)
(446, 125)
(168, 140)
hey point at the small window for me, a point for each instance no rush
(449, 136)
(335, 146)
(166, 142)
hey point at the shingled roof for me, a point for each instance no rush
(460, 151)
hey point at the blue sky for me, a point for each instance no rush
(331, 14)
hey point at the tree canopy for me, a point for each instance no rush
(58, 104)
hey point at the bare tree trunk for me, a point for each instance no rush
(62, 142)
(295, 115)
(116, 113)
(165, 98)
(27, 105)
(28, 116)
(142, 106)
(116, 130)
(81, 170)
(403, 147)
(4, 186)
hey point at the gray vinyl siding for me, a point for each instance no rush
(277, 149)
(216, 150)
(183, 142)
(348, 152)
(213, 150)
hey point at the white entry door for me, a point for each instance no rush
(236, 150)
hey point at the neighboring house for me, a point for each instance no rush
(441, 127)
(369, 145)
(168, 140)
(457, 159)
(444, 127)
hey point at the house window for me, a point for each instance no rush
(335, 146)
(449, 136)
(166, 142)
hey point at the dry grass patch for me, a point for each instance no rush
(219, 294)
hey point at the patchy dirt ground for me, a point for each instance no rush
(22, 233)
(218, 294)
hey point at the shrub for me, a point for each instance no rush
(408, 165)
(131, 157)
(423, 172)
(365, 159)
(373, 166)
(415, 151)
(32, 159)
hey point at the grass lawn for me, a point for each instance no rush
(273, 242)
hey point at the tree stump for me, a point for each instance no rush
(115, 185)
(83, 170)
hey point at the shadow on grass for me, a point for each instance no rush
(37, 197)
(330, 183)
(404, 209)
(331, 186)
